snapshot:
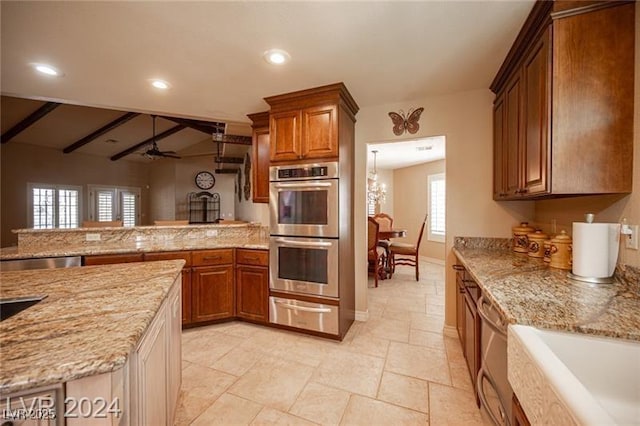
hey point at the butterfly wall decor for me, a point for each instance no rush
(406, 123)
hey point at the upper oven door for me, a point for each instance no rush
(304, 265)
(304, 208)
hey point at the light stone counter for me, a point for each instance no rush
(527, 291)
(89, 323)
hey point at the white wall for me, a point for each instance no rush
(465, 119)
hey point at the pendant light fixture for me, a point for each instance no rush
(376, 192)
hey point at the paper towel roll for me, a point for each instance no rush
(595, 249)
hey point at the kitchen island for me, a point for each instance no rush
(94, 321)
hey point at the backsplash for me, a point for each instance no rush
(482, 243)
(52, 239)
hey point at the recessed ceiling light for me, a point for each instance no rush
(424, 148)
(47, 70)
(276, 56)
(160, 84)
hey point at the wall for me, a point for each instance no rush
(611, 208)
(22, 163)
(162, 189)
(465, 119)
(249, 211)
(411, 184)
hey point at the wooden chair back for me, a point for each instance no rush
(384, 220)
(170, 222)
(421, 232)
(105, 224)
(372, 235)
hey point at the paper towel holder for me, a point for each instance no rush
(591, 280)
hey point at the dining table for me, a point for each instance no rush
(387, 235)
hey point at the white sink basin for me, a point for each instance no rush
(563, 378)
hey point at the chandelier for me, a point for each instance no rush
(376, 192)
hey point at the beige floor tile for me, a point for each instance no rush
(367, 411)
(424, 322)
(426, 338)
(387, 329)
(242, 329)
(271, 416)
(368, 345)
(350, 371)
(397, 314)
(185, 364)
(207, 348)
(417, 361)
(410, 304)
(201, 386)
(237, 361)
(273, 382)
(229, 410)
(321, 404)
(451, 406)
(404, 391)
(460, 377)
(303, 349)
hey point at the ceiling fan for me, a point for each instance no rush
(154, 152)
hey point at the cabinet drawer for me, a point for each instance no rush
(110, 259)
(212, 257)
(169, 255)
(252, 257)
(304, 315)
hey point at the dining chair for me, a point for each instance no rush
(374, 256)
(104, 224)
(407, 254)
(386, 224)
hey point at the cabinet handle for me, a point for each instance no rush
(458, 267)
(212, 258)
(250, 258)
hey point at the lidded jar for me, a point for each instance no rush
(561, 247)
(536, 243)
(520, 239)
(547, 251)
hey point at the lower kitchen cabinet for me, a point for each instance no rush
(110, 259)
(186, 296)
(212, 290)
(252, 293)
(519, 418)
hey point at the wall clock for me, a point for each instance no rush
(205, 180)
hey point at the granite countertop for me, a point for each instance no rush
(90, 322)
(527, 291)
(13, 253)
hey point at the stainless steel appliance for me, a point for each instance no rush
(304, 265)
(303, 200)
(308, 315)
(493, 387)
(40, 263)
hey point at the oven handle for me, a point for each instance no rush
(303, 185)
(497, 327)
(303, 308)
(482, 374)
(283, 242)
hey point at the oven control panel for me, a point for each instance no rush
(304, 172)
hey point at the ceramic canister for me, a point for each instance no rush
(520, 239)
(536, 243)
(561, 251)
(547, 251)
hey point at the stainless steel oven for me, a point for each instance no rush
(303, 200)
(304, 265)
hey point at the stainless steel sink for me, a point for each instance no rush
(12, 306)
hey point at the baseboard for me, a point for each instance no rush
(450, 331)
(362, 315)
(432, 260)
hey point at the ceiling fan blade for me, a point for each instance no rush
(169, 155)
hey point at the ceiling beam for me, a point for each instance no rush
(101, 131)
(162, 135)
(212, 128)
(229, 160)
(236, 139)
(227, 171)
(32, 118)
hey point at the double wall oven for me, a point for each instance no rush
(303, 246)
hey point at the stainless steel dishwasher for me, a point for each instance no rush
(40, 263)
(494, 390)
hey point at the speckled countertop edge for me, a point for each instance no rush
(526, 291)
(92, 319)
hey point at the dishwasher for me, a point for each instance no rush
(40, 263)
(494, 390)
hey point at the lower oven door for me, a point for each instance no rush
(304, 265)
(305, 315)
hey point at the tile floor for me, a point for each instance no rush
(395, 369)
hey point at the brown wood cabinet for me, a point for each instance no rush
(519, 418)
(261, 153)
(110, 259)
(563, 116)
(304, 125)
(186, 277)
(212, 285)
(252, 285)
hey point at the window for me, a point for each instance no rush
(114, 203)
(53, 206)
(436, 200)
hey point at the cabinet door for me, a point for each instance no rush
(186, 296)
(174, 350)
(110, 259)
(536, 100)
(471, 347)
(460, 319)
(499, 158)
(151, 374)
(252, 293)
(212, 293)
(284, 136)
(511, 148)
(320, 132)
(261, 165)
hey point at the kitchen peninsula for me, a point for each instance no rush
(104, 332)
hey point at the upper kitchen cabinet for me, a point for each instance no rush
(307, 125)
(563, 114)
(260, 170)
